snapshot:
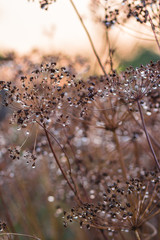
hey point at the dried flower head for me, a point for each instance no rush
(126, 206)
(134, 84)
(39, 95)
(141, 11)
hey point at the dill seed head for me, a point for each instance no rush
(141, 11)
(125, 206)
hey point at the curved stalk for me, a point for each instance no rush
(59, 165)
(103, 234)
(154, 32)
(69, 166)
(89, 37)
(20, 235)
(120, 154)
(154, 230)
(147, 135)
(137, 235)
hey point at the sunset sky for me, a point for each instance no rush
(24, 27)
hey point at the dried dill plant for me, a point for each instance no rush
(125, 206)
(85, 127)
(146, 80)
(45, 98)
(71, 114)
(145, 12)
(126, 9)
(135, 84)
(57, 102)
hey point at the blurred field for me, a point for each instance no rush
(33, 193)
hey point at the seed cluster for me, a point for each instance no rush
(139, 10)
(137, 83)
(125, 206)
(92, 141)
(40, 95)
(100, 115)
(53, 97)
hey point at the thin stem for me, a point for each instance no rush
(153, 139)
(103, 234)
(159, 11)
(89, 37)
(59, 165)
(7, 215)
(69, 166)
(154, 230)
(20, 235)
(120, 154)
(122, 237)
(151, 216)
(154, 32)
(137, 235)
(74, 155)
(151, 201)
(153, 29)
(147, 135)
(136, 152)
(110, 52)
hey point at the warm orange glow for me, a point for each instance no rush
(24, 27)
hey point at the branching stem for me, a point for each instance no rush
(69, 166)
(59, 165)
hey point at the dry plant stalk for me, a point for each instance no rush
(90, 131)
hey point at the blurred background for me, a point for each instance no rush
(26, 29)
(29, 36)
